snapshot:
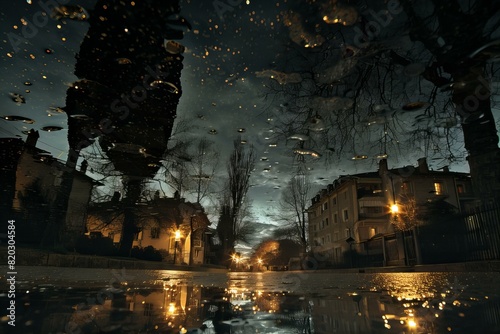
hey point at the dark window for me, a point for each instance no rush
(155, 233)
(346, 215)
(148, 309)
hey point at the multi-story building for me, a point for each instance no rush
(357, 208)
(31, 180)
(171, 225)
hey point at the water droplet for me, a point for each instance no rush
(72, 12)
(51, 128)
(14, 118)
(123, 61)
(17, 98)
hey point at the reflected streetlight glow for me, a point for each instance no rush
(394, 208)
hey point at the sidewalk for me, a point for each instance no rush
(37, 257)
(477, 266)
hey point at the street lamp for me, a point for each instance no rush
(191, 231)
(177, 238)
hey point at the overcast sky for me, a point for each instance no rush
(226, 46)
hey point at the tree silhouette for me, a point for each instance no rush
(294, 202)
(239, 167)
(387, 77)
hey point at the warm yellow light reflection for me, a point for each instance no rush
(412, 323)
(177, 235)
(394, 208)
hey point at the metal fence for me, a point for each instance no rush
(482, 233)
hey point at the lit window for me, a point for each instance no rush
(460, 188)
(438, 188)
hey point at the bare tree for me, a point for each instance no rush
(409, 215)
(392, 78)
(203, 165)
(294, 203)
(239, 168)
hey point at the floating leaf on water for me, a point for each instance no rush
(28, 83)
(415, 106)
(49, 51)
(212, 131)
(173, 47)
(80, 117)
(299, 136)
(359, 157)
(51, 128)
(382, 156)
(305, 151)
(14, 118)
(241, 130)
(72, 12)
(171, 87)
(18, 98)
(56, 110)
(123, 61)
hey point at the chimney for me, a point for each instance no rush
(446, 169)
(382, 167)
(32, 138)
(422, 165)
(83, 166)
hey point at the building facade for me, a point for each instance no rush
(361, 207)
(178, 229)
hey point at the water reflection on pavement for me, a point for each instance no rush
(72, 300)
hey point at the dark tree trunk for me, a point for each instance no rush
(53, 235)
(129, 228)
(472, 100)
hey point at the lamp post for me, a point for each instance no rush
(191, 240)
(191, 230)
(177, 238)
